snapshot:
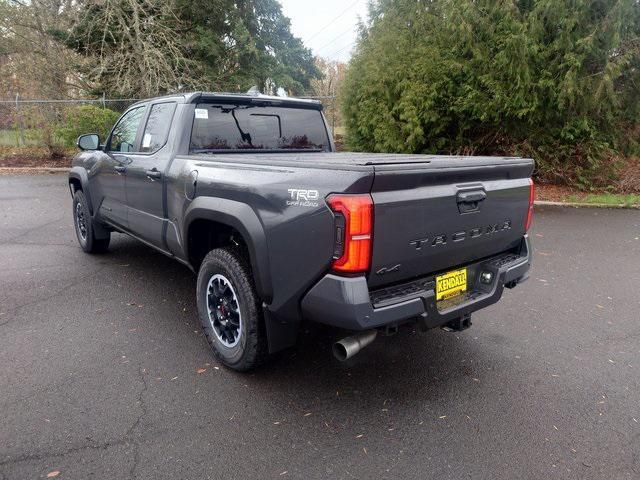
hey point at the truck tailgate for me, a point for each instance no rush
(443, 212)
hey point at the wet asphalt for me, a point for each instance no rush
(104, 372)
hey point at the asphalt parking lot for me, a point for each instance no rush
(105, 374)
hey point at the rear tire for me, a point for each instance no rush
(230, 310)
(83, 224)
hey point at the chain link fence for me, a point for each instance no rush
(54, 124)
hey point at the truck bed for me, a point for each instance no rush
(425, 219)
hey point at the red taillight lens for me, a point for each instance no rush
(353, 232)
(532, 197)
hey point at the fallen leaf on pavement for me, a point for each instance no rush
(53, 474)
(201, 370)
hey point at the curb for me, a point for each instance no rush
(22, 170)
(545, 203)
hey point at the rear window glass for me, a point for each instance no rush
(157, 128)
(253, 127)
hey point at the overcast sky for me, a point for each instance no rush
(328, 27)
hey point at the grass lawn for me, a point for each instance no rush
(606, 199)
(13, 138)
(8, 138)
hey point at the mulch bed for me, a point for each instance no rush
(555, 193)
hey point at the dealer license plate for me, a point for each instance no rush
(451, 284)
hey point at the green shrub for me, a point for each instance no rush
(558, 80)
(85, 119)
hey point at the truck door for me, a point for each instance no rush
(145, 180)
(112, 167)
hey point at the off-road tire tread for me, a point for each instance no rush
(93, 244)
(233, 262)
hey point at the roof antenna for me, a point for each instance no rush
(253, 91)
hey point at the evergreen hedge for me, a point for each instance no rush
(84, 119)
(557, 80)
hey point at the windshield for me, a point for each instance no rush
(253, 127)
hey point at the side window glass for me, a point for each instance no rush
(123, 138)
(157, 128)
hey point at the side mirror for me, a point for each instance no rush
(88, 142)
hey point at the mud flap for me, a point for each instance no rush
(280, 335)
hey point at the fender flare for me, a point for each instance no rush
(242, 218)
(80, 174)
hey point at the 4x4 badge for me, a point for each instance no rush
(383, 270)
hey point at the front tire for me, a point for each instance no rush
(230, 310)
(83, 224)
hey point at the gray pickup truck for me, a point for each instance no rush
(249, 192)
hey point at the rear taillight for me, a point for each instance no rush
(353, 232)
(532, 197)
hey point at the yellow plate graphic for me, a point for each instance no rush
(451, 284)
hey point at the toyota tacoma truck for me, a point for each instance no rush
(248, 191)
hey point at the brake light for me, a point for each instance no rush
(532, 197)
(353, 232)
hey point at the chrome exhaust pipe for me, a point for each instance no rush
(348, 347)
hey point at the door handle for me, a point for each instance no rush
(120, 168)
(154, 174)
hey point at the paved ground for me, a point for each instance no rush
(99, 358)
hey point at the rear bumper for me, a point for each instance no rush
(348, 303)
